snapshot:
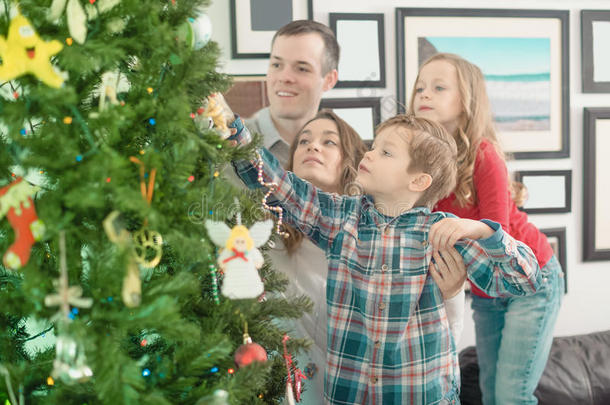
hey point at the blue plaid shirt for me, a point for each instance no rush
(388, 338)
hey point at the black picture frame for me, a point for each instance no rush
(372, 103)
(459, 23)
(263, 43)
(559, 250)
(595, 249)
(566, 194)
(587, 18)
(352, 57)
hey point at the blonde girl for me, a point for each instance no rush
(513, 335)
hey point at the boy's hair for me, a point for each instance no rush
(432, 150)
(352, 150)
(330, 60)
(476, 122)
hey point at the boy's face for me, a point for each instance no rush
(382, 172)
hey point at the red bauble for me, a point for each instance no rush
(249, 352)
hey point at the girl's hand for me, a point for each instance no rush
(448, 271)
(446, 232)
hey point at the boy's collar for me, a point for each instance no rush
(369, 204)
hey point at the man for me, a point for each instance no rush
(302, 66)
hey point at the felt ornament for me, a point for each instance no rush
(77, 21)
(77, 17)
(16, 203)
(23, 52)
(216, 109)
(240, 258)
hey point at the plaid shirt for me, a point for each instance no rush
(388, 336)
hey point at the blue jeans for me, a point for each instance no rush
(513, 338)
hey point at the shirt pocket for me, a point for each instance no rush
(415, 254)
(360, 249)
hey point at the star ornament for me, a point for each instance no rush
(24, 52)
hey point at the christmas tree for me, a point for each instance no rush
(109, 172)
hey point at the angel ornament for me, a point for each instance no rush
(240, 259)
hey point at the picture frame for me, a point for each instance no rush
(362, 113)
(549, 191)
(595, 62)
(557, 240)
(247, 94)
(254, 22)
(360, 34)
(596, 184)
(524, 55)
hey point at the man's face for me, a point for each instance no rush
(295, 82)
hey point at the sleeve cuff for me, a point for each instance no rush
(500, 244)
(243, 135)
(496, 238)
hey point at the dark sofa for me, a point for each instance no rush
(577, 372)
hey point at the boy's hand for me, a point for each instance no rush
(446, 232)
(233, 132)
(448, 271)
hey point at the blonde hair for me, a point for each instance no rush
(352, 151)
(239, 231)
(475, 124)
(432, 150)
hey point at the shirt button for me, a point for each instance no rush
(424, 243)
(384, 267)
(382, 305)
(387, 230)
(374, 379)
(377, 344)
(544, 279)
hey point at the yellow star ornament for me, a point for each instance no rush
(23, 51)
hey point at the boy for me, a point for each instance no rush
(388, 337)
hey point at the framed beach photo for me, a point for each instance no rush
(596, 193)
(363, 113)
(557, 240)
(595, 65)
(359, 35)
(549, 191)
(523, 55)
(254, 22)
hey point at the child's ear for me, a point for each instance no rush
(420, 182)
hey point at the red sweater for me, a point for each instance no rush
(491, 183)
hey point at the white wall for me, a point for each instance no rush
(586, 307)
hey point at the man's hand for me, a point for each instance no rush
(446, 232)
(448, 271)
